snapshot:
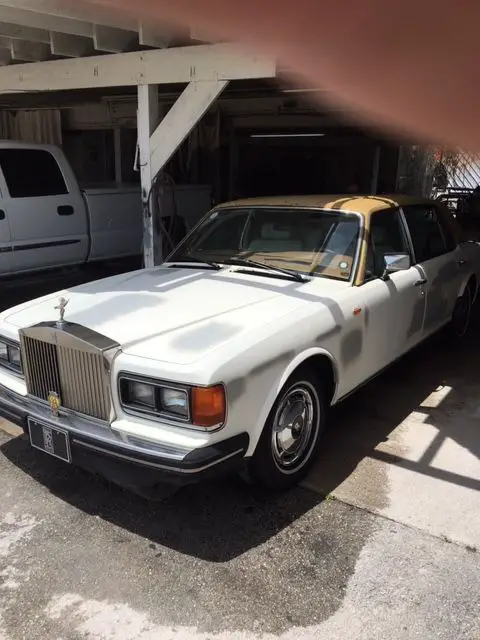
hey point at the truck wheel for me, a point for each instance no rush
(291, 436)
(461, 315)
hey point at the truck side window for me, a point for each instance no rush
(31, 173)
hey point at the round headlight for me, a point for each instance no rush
(174, 401)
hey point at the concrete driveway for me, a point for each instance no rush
(381, 542)
(407, 446)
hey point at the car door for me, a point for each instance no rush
(439, 260)
(47, 219)
(394, 306)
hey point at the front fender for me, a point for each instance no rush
(278, 384)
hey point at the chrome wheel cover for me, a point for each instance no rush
(295, 427)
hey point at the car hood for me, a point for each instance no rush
(169, 314)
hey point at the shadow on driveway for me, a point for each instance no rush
(212, 521)
(368, 418)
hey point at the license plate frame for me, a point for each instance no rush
(49, 438)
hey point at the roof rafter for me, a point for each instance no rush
(22, 51)
(35, 26)
(20, 32)
(73, 10)
(111, 39)
(62, 44)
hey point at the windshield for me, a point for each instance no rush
(308, 241)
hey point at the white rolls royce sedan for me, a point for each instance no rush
(228, 355)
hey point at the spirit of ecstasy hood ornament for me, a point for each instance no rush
(62, 303)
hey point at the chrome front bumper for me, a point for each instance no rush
(98, 448)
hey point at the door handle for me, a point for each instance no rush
(2, 215)
(461, 262)
(65, 210)
(420, 283)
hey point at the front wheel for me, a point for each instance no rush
(462, 314)
(290, 439)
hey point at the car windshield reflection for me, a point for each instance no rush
(314, 242)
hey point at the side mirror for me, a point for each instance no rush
(394, 262)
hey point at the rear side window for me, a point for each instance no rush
(426, 232)
(31, 173)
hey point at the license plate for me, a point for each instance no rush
(50, 439)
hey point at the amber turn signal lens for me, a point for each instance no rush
(208, 406)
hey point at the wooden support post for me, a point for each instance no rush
(156, 147)
(147, 120)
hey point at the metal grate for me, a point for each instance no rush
(40, 359)
(79, 377)
(83, 382)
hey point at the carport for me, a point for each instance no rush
(56, 47)
(275, 138)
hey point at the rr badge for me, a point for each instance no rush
(54, 402)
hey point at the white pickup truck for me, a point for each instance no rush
(47, 221)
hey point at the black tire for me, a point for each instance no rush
(462, 314)
(304, 390)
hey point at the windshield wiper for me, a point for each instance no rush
(188, 258)
(246, 262)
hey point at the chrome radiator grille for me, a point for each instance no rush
(79, 377)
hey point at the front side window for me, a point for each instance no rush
(31, 173)
(428, 239)
(307, 241)
(386, 236)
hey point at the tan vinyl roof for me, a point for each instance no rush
(363, 204)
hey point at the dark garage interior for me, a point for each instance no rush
(337, 161)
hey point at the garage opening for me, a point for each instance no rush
(335, 160)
